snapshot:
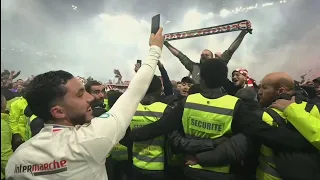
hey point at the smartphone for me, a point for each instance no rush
(139, 62)
(155, 24)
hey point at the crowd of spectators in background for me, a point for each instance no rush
(12, 86)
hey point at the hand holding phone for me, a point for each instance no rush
(137, 65)
(157, 39)
(155, 24)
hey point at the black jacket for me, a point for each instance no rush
(240, 151)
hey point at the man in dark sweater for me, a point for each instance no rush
(194, 67)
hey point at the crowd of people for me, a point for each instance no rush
(203, 127)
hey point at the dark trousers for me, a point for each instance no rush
(122, 170)
(197, 174)
(110, 168)
(176, 173)
(141, 174)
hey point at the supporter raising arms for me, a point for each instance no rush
(73, 145)
(193, 67)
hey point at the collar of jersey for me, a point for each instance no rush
(56, 127)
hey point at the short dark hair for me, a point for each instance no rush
(89, 84)
(155, 85)
(316, 80)
(113, 96)
(213, 72)
(187, 79)
(44, 90)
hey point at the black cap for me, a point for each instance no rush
(187, 79)
(316, 80)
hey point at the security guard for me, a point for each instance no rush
(274, 163)
(209, 118)
(149, 156)
(18, 121)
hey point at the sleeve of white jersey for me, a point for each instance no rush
(105, 132)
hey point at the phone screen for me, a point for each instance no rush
(155, 24)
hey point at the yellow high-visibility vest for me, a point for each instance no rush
(208, 118)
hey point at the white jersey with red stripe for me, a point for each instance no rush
(79, 152)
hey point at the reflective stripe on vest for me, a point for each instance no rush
(148, 155)
(208, 118)
(267, 168)
(119, 152)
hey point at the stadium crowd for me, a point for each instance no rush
(202, 127)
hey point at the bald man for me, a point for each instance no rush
(304, 164)
(273, 85)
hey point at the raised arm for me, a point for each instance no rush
(188, 64)
(226, 56)
(111, 127)
(125, 107)
(167, 86)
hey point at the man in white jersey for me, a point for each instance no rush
(73, 145)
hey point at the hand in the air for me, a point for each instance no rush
(137, 67)
(282, 104)
(157, 39)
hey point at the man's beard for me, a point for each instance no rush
(97, 103)
(78, 119)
